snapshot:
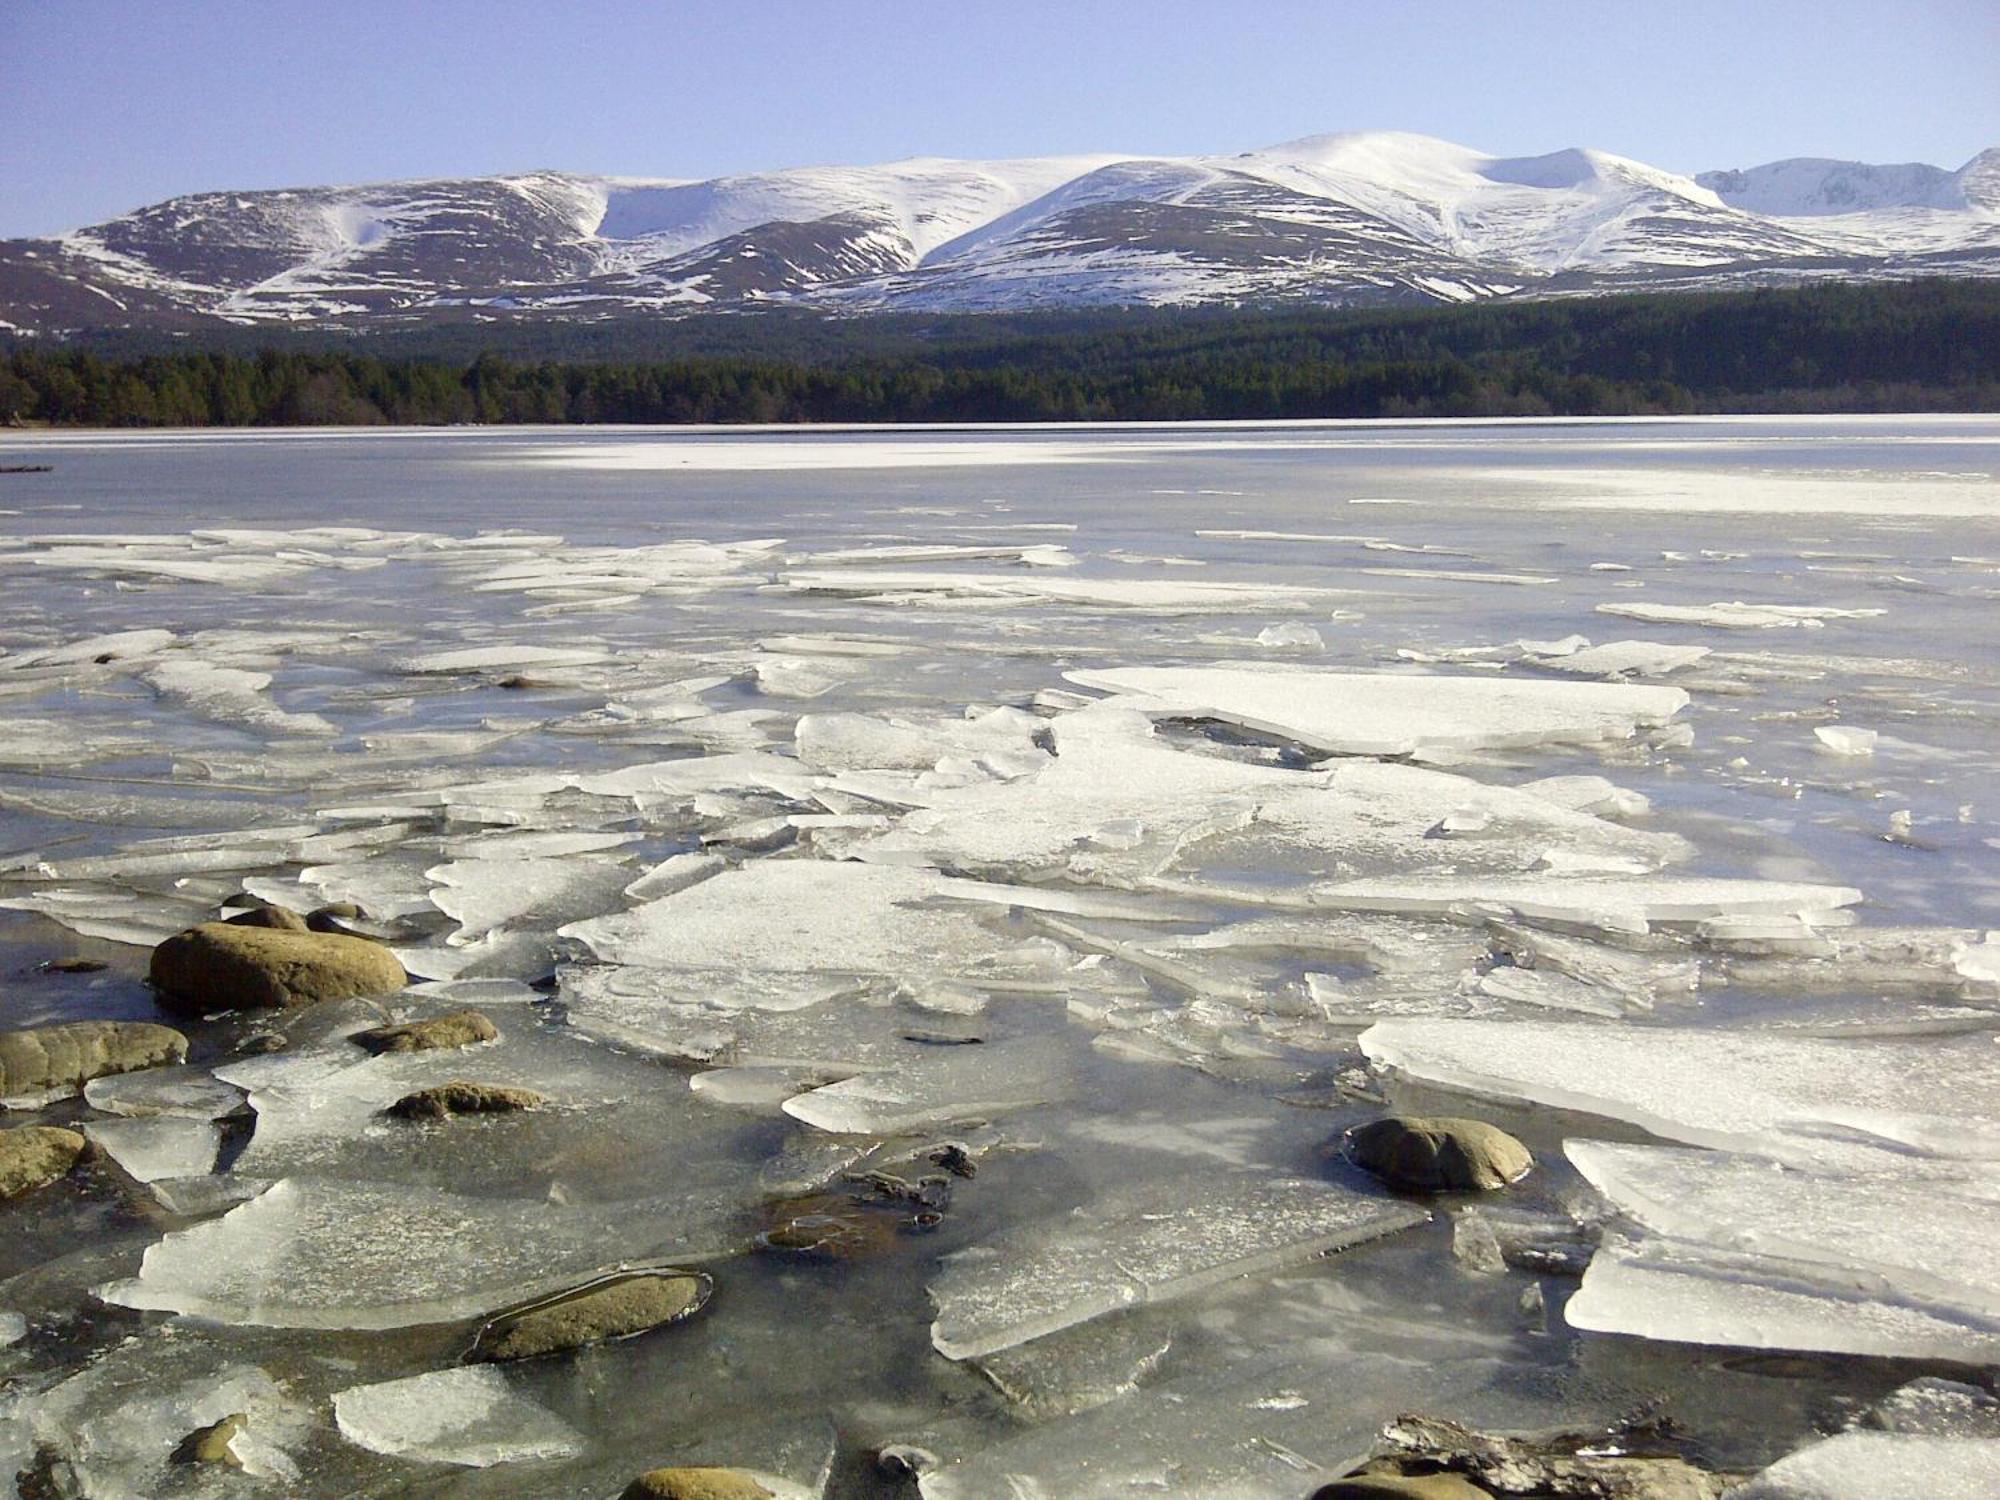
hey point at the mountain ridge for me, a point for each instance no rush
(1357, 218)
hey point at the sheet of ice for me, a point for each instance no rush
(321, 1254)
(1147, 1244)
(149, 1149)
(1881, 1466)
(1886, 1256)
(1622, 659)
(1270, 1427)
(949, 1085)
(1818, 1103)
(1609, 903)
(501, 657)
(119, 647)
(1737, 615)
(1350, 713)
(1591, 794)
(1000, 740)
(113, 1427)
(231, 695)
(1146, 595)
(799, 916)
(1845, 739)
(484, 894)
(111, 913)
(470, 1416)
(1117, 804)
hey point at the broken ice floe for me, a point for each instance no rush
(1739, 616)
(1347, 713)
(470, 1416)
(324, 1254)
(1743, 1251)
(1881, 1466)
(1145, 1245)
(1811, 1102)
(1145, 595)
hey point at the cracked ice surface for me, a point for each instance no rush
(323, 1254)
(1347, 713)
(1148, 1245)
(1743, 1251)
(1805, 1101)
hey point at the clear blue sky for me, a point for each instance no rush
(109, 104)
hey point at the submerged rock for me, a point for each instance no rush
(462, 1098)
(462, 1028)
(216, 966)
(695, 1484)
(1439, 1153)
(74, 966)
(33, 1156)
(615, 1308)
(49, 1061)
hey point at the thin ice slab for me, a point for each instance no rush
(1814, 1102)
(1164, 1241)
(1882, 1466)
(308, 1253)
(469, 1416)
(1351, 713)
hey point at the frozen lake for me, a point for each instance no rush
(958, 888)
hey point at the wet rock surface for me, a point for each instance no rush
(695, 1484)
(445, 1101)
(617, 1309)
(1439, 1153)
(54, 1060)
(33, 1156)
(216, 966)
(461, 1028)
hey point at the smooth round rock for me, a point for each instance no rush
(220, 967)
(695, 1484)
(628, 1306)
(461, 1028)
(33, 1156)
(1439, 1153)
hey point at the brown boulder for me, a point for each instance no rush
(695, 1484)
(590, 1315)
(1439, 1154)
(55, 1060)
(461, 1028)
(461, 1098)
(217, 966)
(33, 1156)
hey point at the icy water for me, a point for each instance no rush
(958, 888)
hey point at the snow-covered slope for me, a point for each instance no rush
(1359, 218)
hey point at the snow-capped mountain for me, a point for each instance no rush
(1357, 218)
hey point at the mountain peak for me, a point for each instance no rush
(1363, 217)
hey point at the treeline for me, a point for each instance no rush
(1925, 345)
